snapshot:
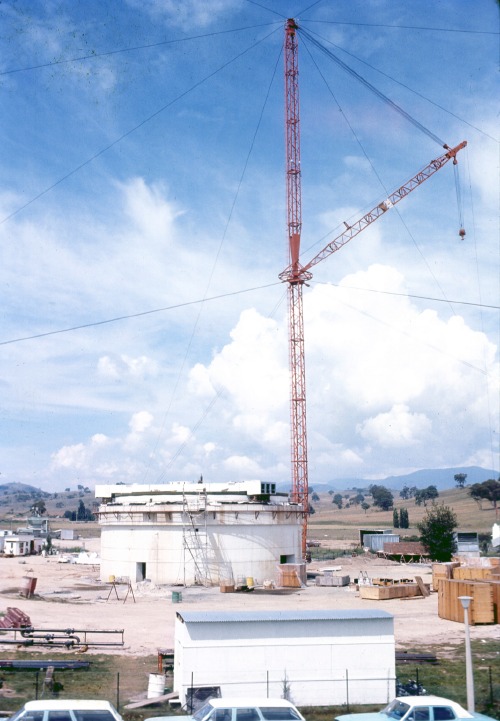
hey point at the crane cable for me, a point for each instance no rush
(371, 87)
(398, 109)
(379, 180)
(219, 391)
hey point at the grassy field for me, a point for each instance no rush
(331, 523)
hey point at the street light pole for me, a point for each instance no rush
(465, 601)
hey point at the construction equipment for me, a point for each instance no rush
(296, 275)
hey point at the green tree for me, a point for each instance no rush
(315, 497)
(460, 479)
(487, 490)
(426, 494)
(404, 519)
(38, 508)
(437, 532)
(365, 506)
(395, 518)
(382, 497)
(338, 500)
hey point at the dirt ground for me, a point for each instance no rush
(72, 596)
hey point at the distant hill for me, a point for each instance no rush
(442, 478)
(8, 489)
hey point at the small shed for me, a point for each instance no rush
(467, 544)
(322, 658)
(23, 544)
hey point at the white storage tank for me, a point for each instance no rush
(209, 534)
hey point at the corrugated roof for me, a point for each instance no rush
(276, 616)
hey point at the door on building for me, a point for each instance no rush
(140, 571)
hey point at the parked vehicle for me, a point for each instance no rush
(67, 710)
(417, 708)
(241, 709)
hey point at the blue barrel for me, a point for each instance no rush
(176, 596)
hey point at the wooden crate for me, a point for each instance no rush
(385, 593)
(442, 570)
(472, 573)
(481, 609)
(495, 590)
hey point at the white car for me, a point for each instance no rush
(418, 708)
(241, 709)
(67, 710)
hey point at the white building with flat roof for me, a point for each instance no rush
(197, 533)
(323, 657)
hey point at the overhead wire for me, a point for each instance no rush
(407, 87)
(371, 87)
(212, 271)
(382, 184)
(133, 129)
(176, 306)
(133, 48)
(467, 31)
(481, 318)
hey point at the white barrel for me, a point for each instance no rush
(156, 685)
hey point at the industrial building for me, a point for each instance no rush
(197, 533)
(321, 658)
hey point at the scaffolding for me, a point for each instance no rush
(210, 567)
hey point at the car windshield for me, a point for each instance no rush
(27, 715)
(396, 709)
(203, 712)
(279, 713)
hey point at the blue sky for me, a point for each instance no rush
(143, 169)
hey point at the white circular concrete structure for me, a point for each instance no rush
(210, 534)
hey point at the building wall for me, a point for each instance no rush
(323, 662)
(167, 545)
(19, 545)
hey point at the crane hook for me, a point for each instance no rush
(461, 233)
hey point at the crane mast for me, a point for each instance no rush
(298, 427)
(296, 274)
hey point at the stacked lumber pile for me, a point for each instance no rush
(15, 618)
(383, 590)
(480, 582)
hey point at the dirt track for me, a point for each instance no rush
(71, 596)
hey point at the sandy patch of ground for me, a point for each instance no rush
(72, 596)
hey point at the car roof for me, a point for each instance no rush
(246, 701)
(435, 701)
(55, 704)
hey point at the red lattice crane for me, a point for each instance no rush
(296, 274)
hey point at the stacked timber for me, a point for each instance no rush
(385, 593)
(481, 609)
